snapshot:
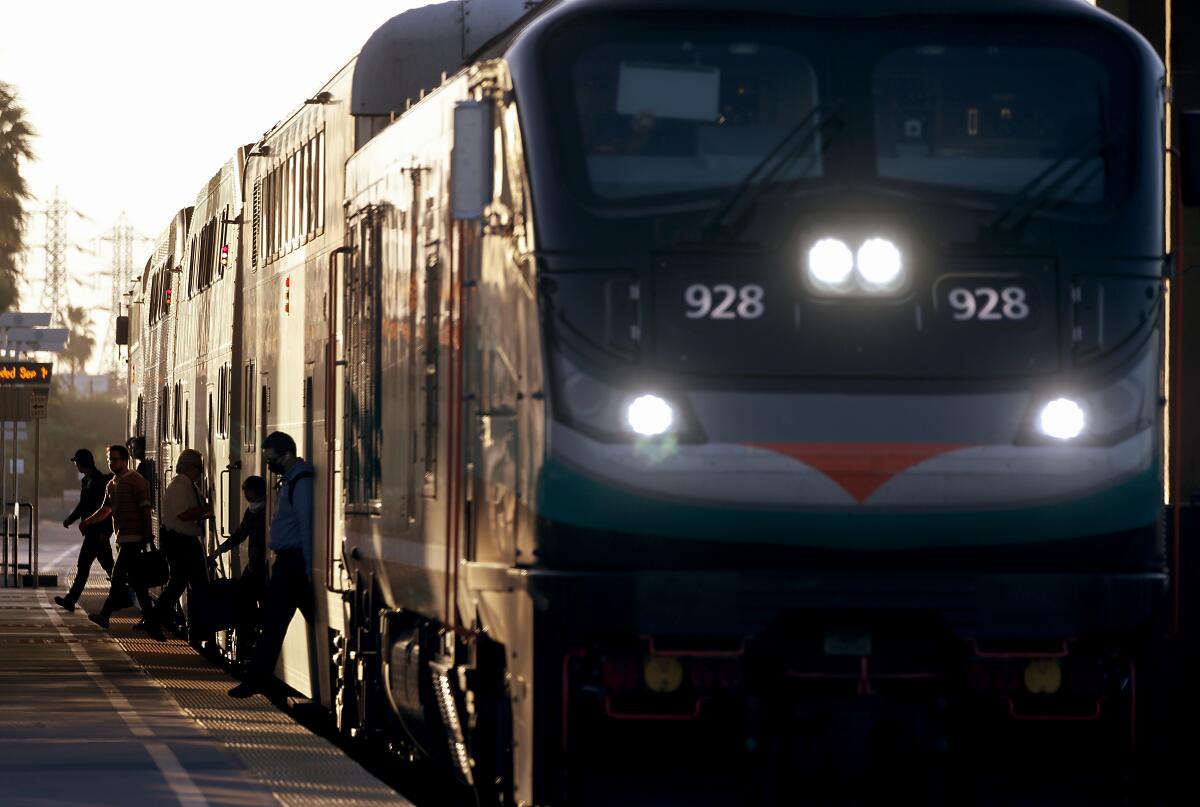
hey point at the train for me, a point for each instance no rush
(765, 382)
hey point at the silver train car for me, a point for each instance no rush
(746, 387)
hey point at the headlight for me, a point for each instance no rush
(876, 268)
(649, 415)
(1062, 419)
(830, 263)
(617, 413)
(880, 264)
(1100, 415)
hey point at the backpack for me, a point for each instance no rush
(291, 484)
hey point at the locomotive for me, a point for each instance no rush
(691, 377)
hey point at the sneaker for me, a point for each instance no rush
(244, 690)
(99, 619)
(154, 631)
(65, 603)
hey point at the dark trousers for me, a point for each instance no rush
(118, 596)
(185, 555)
(95, 547)
(251, 593)
(289, 588)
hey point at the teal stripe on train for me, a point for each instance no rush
(571, 498)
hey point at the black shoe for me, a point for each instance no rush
(153, 630)
(65, 603)
(99, 619)
(244, 690)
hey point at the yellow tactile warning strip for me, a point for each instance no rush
(299, 767)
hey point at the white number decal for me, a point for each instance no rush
(699, 300)
(750, 302)
(722, 310)
(1015, 306)
(746, 302)
(963, 303)
(988, 304)
(990, 300)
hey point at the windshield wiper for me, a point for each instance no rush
(726, 216)
(1052, 184)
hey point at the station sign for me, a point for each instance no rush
(25, 373)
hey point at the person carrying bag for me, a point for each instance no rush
(127, 503)
(183, 511)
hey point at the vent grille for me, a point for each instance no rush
(257, 219)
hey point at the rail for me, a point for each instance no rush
(10, 556)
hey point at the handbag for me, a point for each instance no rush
(213, 607)
(150, 567)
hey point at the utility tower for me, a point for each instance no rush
(122, 238)
(54, 292)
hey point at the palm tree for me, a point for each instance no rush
(80, 340)
(16, 144)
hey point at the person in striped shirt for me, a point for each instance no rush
(127, 503)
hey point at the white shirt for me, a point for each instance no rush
(180, 495)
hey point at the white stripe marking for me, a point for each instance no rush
(168, 764)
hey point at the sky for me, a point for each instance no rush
(137, 103)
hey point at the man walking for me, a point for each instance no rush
(95, 537)
(290, 586)
(127, 503)
(181, 530)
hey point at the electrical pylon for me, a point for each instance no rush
(122, 238)
(53, 293)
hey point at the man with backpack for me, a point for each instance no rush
(290, 538)
(95, 536)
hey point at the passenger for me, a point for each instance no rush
(290, 586)
(95, 538)
(181, 529)
(137, 449)
(253, 582)
(127, 502)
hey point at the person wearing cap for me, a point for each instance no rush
(95, 536)
(180, 521)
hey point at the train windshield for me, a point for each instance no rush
(659, 110)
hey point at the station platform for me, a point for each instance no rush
(96, 717)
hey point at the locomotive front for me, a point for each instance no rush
(844, 316)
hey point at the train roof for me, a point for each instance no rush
(841, 8)
(549, 14)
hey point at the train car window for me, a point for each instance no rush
(985, 117)
(364, 400)
(164, 412)
(313, 182)
(192, 268)
(321, 181)
(432, 312)
(661, 111)
(223, 241)
(248, 388)
(276, 213)
(217, 420)
(210, 241)
(302, 169)
(176, 413)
